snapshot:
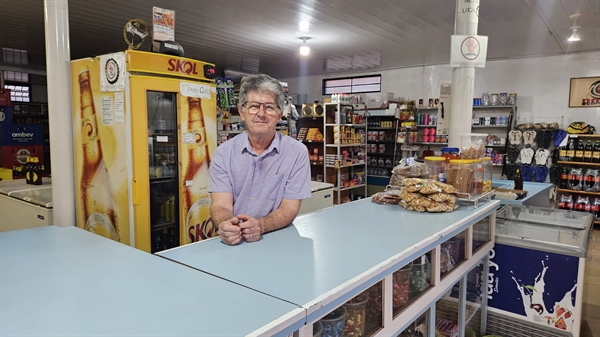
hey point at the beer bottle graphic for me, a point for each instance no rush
(198, 225)
(98, 203)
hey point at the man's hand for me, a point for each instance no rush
(230, 231)
(250, 228)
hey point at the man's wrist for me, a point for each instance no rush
(261, 225)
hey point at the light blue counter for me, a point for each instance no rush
(335, 253)
(538, 194)
(67, 282)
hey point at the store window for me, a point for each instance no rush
(14, 56)
(19, 93)
(352, 85)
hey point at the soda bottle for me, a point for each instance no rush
(596, 209)
(562, 201)
(564, 178)
(196, 200)
(580, 205)
(569, 203)
(97, 198)
(587, 153)
(587, 206)
(596, 152)
(518, 179)
(571, 150)
(579, 151)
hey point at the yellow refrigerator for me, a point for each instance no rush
(144, 127)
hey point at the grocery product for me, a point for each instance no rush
(473, 145)
(333, 324)
(436, 168)
(401, 283)
(576, 179)
(356, 309)
(460, 174)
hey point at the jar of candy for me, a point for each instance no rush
(477, 183)
(494, 99)
(487, 174)
(485, 99)
(503, 98)
(450, 153)
(436, 168)
(512, 98)
(460, 174)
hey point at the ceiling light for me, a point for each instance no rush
(304, 49)
(575, 36)
(304, 25)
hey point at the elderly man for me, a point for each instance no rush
(259, 178)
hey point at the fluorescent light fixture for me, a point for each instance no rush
(304, 48)
(304, 25)
(575, 36)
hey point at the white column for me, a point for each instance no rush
(58, 72)
(463, 79)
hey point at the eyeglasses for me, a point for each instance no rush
(254, 107)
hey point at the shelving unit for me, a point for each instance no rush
(499, 130)
(316, 147)
(345, 148)
(578, 164)
(383, 153)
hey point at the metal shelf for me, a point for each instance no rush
(495, 107)
(370, 128)
(236, 131)
(490, 126)
(312, 141)
(379, 154)
(162, 225)
(349, 188)
(426, 126)
(495, 145)
(351, 165)
(577, 192)
(381, 141)
(358, 125)
(421, 143)
(345, 145)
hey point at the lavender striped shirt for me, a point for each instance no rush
(259, 183)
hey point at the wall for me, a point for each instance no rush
(542, 84)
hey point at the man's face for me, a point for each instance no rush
(263, 122)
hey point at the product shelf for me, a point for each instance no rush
(495, 107)
(566, 190)
(351, 165)
(312, 141)
(428, 143)
(374, 129)
(357, 125)
(379, 154)
(563, 162)
(381, 141)
(584, 136)
(490, 126)
(426, 126)
(597, 222)
(236, 131)
(345, 145)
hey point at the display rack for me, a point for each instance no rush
(485, 120)
(310, 133)
(383, 152)
(345, 145)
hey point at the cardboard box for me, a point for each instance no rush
(6, 174)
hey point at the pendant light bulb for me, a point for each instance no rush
(304, 48)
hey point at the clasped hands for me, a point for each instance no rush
(243, 226)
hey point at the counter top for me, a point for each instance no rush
(69, 282)
(538, 194)
(325, 253)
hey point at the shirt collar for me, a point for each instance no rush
(246, 147)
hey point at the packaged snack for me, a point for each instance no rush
(430, 188)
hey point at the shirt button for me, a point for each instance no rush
(251, 198)
(255, 179)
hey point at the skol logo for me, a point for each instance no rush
(202, 231)
(180, 66)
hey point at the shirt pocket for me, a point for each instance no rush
(273, 187)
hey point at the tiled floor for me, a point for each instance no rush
(591, 290)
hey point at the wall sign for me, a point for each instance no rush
(584, 92)
(468, 51)
(112, 72)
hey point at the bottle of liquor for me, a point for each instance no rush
(562, 153)
(596, 152)
(571, 150)
(518, 179)
(587, 153)
(196, 200)
(579, 151)
(98, 203)
(564, 178)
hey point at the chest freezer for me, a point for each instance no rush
(321, 197)
(537, 268)
(25, 206)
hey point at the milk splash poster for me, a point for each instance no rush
(539, 285)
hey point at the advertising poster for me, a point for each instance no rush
(163, 24)
(100, 156)
(198, 138)
(540, 286)
(585, 92)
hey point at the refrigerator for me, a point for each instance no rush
(536, 271)
(321, 197)
(144, 127)
(25, 206)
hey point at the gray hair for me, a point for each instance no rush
(262, 83)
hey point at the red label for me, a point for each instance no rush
(561, 205)
(587, 207)
(180, 66)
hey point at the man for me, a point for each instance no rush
(259, 178)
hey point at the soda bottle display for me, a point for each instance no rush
(562, 153)
(587, 152)
(198, 224)
(596, 152)
(98, 203)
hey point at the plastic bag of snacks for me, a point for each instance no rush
(424, 195)
(472, 145)
(408, 168)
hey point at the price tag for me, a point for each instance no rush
(162, 139)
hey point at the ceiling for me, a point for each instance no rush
(263, 35)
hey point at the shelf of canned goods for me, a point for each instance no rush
(378, 268)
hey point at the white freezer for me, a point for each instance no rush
(25, 206)
(322, 197)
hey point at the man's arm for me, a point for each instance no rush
(221, 210)
(253, 228)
